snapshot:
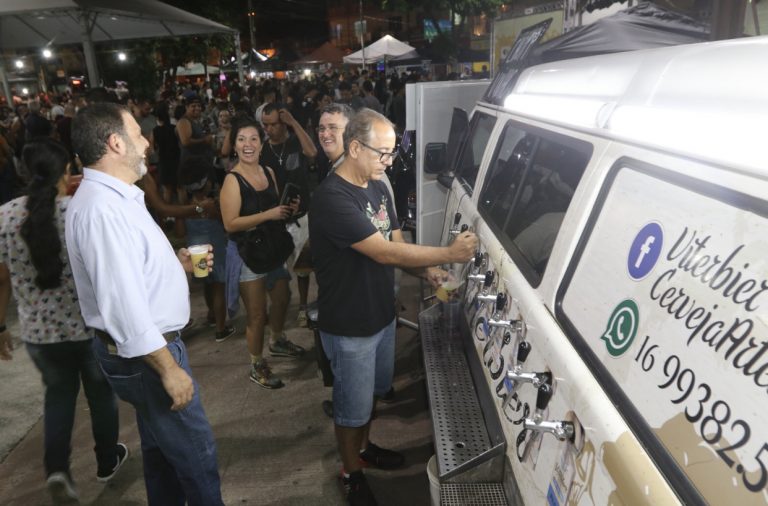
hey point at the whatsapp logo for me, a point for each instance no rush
(622, 328)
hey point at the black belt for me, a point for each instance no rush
(108, 341)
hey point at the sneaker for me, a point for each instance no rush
(210, 320)
(380, 457)
(358, 491)
(285, 348)
(104, 475)
(62, 488)
(301, 318)
(262, 375)
(224, 334)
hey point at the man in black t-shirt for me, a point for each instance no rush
(284, 153)
(356, 243)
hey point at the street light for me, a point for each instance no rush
(121, 56)
(19, 64)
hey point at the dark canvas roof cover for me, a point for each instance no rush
(644, 26)
(35, 23)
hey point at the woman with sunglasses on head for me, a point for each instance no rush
(34, 262)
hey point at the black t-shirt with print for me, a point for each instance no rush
(290, 166)
(355, 294)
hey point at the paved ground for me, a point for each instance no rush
(275, 447)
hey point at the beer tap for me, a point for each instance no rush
(492, 344)
(523, 350)
(561, 429)
(501, 301)
(499, 298)
(477, 261)
(455, 229)
(486, 279)
(534, 378)
(516, 326)
(480, 300)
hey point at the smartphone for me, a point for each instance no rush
(290, 193)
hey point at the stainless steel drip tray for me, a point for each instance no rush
(472, 494)
(469, 442)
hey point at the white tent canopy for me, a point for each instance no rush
(385, 48)
(40, 23)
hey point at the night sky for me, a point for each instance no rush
(301, 21)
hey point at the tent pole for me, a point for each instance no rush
(6, 86)
(239, 58)
(88, 51)
(362, 34)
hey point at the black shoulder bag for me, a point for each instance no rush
(266, 246)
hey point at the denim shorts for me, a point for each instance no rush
(272, 276)
(362, 367)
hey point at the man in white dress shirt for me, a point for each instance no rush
(133, 291)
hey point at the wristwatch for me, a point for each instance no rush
(199, 209)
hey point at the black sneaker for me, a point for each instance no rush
(104, 475)
(285, 348)
(224, 334)
(380, 457)
(358, 492)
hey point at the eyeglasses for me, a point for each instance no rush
(384, 156)
(331, 128)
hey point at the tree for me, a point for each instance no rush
(447, 44)
(140, 70)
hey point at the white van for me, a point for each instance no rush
(622, 207)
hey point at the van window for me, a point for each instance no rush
(473, 149)
(526, 193)
(505, 173)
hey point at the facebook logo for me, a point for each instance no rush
(645, 251)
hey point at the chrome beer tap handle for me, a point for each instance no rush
(562, 430)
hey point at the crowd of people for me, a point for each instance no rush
(247, 175)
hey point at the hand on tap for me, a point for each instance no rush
(463, 247)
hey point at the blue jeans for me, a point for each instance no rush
(178, 449)
(63, 366)
(362, 367)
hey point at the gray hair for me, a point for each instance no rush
(361, 125)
